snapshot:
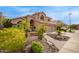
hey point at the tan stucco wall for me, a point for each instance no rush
(36, 18)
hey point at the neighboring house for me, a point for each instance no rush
(77, 27)
(1, 20)
(1, 17)
(1, 26)
(35, 20)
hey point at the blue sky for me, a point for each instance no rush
(55, 12)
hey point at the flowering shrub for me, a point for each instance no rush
(37, 47)
(12, 39)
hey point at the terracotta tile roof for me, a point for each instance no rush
(15, 21)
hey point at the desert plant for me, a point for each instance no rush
(21, 25)
(45, 28)
(71, 31)
(58, 30)
(24, 25)
(37, 47)
(6, 22)
(12, 39)
(40, 31)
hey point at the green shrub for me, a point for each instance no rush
(58, 30)
(37, 47)
(12, 39)
(40, 31)
(24, 25)
(71, 31)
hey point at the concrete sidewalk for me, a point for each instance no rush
(72, 46)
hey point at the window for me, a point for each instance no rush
(42, 17)
(49, 20)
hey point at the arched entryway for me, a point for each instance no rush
(32, 25)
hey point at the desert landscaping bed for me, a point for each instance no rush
(47, 48)
(57, 37)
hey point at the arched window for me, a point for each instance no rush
(42, 17)
(31, 22)
(32, 25)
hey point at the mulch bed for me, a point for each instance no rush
(57, 37)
